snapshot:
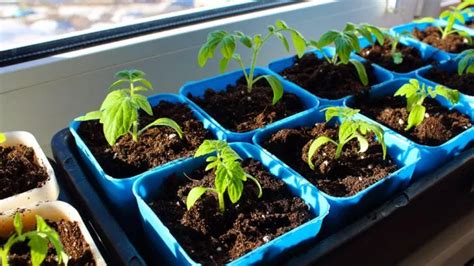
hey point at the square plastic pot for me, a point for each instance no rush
(220, 83)
(426, 52)
(119, 190)
(431, 157)
(279, 65)
(450, 66)
(345, 209)
(53, 211)
(148, 187)
(421, 26)
(49, 190)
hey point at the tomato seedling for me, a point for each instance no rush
(229, 174)
(415, 94)
(228, 41)
(38, 241)
(346, 42)
(119, 111)
(466, 62)
(349, 129)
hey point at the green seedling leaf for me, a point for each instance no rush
(360, 68)
(3, 137)
(193, 195)
(451, 95)
(164, 122)
(416, 116)
(94, 115)
(18, 224)
(276, 86)
(142, 102)
(339, 111)
(39, 249)
(397, 58)
(314, 147)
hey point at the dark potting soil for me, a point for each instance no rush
(214, 238)
(237, 110)
(74, 244)
(382, 56)
(470, 24)
(19, 170)
(156, 146)
(440, 124)
(327, 80)
(453, 43)
(346, 176)
(463, 83)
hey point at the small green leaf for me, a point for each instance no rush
(327, 38)
(193, 195)
(397, 58)
(228, 47)
(360, 68)
(112, 99)
(246, 40)
(298, 42)
(363, 143)
(94, 115)
(164, 122)
(315, 145)
(451, 95)
(338, 111)
(145, 83)
(117, 83)
(209, 146)
(143, 103)
(283, 40)
(38, 249)
(18, 224)
(234, 190)
(3, 138)
(117, 120)
(280, 24)
(416, 116)
(223, 64)
(276, 86)
(425, 20)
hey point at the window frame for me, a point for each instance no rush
(89, 39)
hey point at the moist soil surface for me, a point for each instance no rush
(214, 238)
(440, 124)
(156, 146)
(346, 176)
(73, 242)
(453, 43)
(20, 171)
(382, 56)
(463, 83)
(326, 80)
(470, 24)
(237, 110)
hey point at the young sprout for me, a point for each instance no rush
(38, 241)
(466, 62)
(229, 174)
(348, 130)
(228, 41)
(119, 111)
(394, 41)
(416, 94)
(452, 15)
(346, 42)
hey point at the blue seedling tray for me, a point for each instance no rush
(421, 26)
(426, 52)
(119, 190)
(451, 66)
(344, 209)
(279, 65)
(431, 157)
(220, 83)
(148, 187)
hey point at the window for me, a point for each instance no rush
(39, 28)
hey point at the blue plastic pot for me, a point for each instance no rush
(278, 66)
(426, 52)
(148, 187)
(119, 190)
(431, 157)
(421, 26)
(220, 83)
(451, 66)
(345, 209)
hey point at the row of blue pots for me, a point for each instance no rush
(130, 195)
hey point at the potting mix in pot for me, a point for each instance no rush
(446, 38)
(340, 159)
(254, 101)
(462, 79)
(20, 169)
(413, 112)
(51, 243)
(339, 75)
(128, 136)
(393, 55)
(228, 207)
